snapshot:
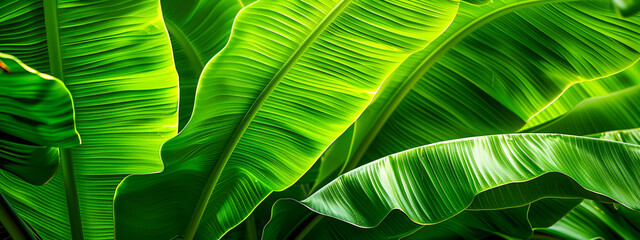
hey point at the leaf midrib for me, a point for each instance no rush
(241, 128)
(425, 65)
(50, 9)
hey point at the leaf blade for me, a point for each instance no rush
(309, 93)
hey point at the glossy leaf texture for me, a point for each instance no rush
(592, 219)
(115, 59)
(198, 30)
(433, 183)
(494, 68)
(36, 117)
(292, 78)
(288, 218)
(617, 108)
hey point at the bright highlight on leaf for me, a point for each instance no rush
(319, 119)
(115, 59)
(251, 132)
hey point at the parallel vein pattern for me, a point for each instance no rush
(434, 182)
(36, 117)
(319, 90)
(116, 61)
(198, 30)
(505, 71)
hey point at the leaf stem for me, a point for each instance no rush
(53, 37)
(235, 137)
(12, 222)
(55, 63)
(71, 190)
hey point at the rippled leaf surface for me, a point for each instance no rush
(198, 31)
(115, 59)
(433, 183)
(494, 68)
(36, 117)
(293, 77)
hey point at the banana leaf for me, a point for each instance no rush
(292, 78)
(36, 117)
(198, 31)
(437, 183)
(115, 59)
(292, 220)
(582, 91)
(593, 220)
(493, 69)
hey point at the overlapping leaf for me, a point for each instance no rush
(293, 76)
(617, 105)
(582, 91)
(115, 59)
(615, 111)
(433, 183)
(593, 220)
(493, 68)
(291, 219)
(36, 117)
(35, 106)
(198, 30)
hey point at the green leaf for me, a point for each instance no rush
(433, 183)
(591, 220)
(333, 159)
(517, 222)
(262, 214)
(33, 163)
(115, 59)
(292, 78)
(582, 91)
(629, 136)
(487, 205)
(614, 111)
(35, 106)
(12, 227)
(491, 70)
(198, 30)
(626, 8)
(36, 117)
(506, 223)
(478, 2)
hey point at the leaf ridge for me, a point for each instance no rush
(235, 137)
